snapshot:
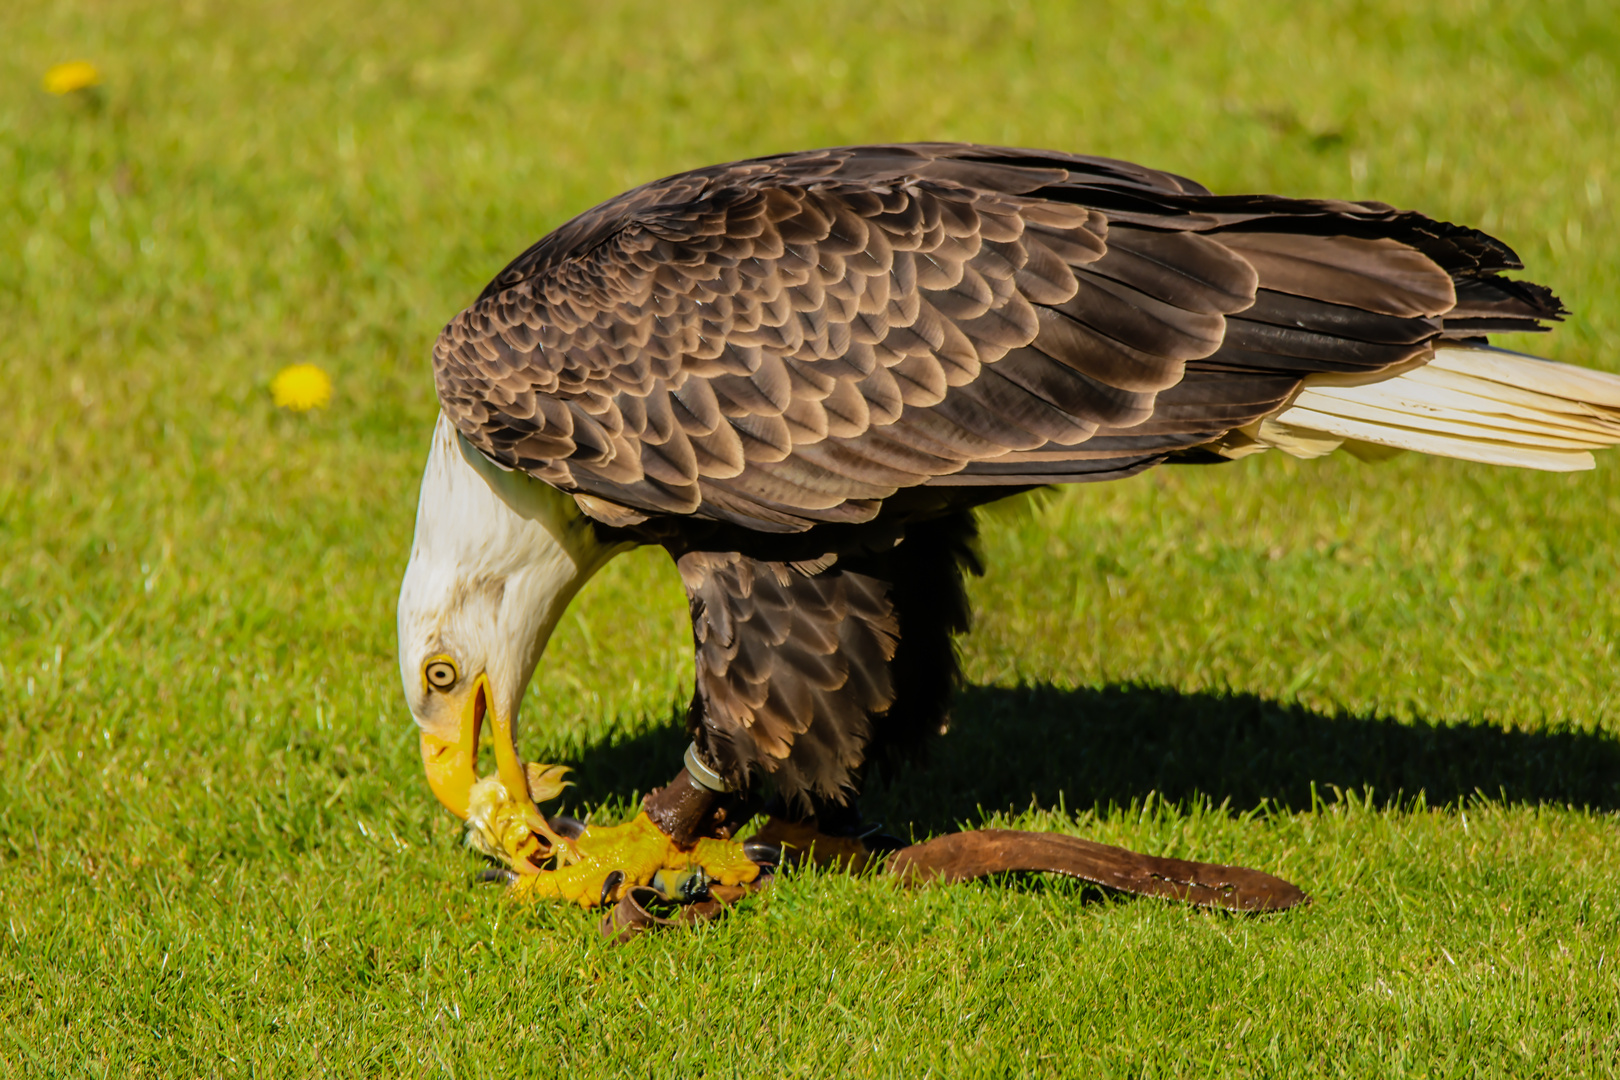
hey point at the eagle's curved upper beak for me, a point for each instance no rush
(451, 764)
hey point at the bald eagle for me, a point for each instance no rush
(799, 374)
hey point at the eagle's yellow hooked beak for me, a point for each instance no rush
(452, 767)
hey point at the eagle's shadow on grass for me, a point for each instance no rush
(1009, 748)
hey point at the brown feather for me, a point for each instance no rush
(894, 294)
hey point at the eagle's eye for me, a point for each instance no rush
(440, 673)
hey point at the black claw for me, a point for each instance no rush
(763, 854)
(609, 883)
(495, 875)
(566, 827)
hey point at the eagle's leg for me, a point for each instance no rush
(688, 811)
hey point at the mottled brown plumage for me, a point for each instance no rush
(790, 659)
(780, 368)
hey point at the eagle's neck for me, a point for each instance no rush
(503, 544)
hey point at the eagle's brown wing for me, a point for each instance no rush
(791, 340)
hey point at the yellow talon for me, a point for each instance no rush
(501, 827)
(639, 850)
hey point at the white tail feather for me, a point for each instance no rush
(1471, 402)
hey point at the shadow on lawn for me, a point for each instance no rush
(1091, 747)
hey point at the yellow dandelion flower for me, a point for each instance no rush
(71, 76)
(301, 387)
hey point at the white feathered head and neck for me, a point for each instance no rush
(497, 557)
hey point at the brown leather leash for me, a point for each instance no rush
(964, 856)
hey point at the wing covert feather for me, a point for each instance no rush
(791, 340)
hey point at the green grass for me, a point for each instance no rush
(1393, 685)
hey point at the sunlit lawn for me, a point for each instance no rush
(1394, 685)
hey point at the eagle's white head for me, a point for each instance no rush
(497, 557)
